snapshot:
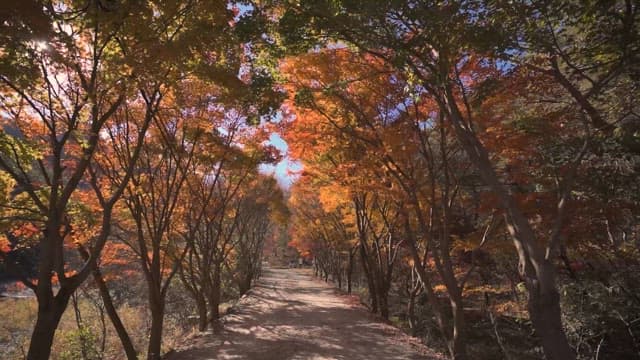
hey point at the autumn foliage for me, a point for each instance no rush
(469, 168)
(435, 142)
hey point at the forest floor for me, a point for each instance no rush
(291, 315)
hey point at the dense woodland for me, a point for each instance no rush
(470, 169)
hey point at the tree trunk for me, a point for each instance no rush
(350, 271)
(382, 292)
(372, 287)
(125, 340)
(214, 294)
(458, 346)
(545, 313)
(383, 303)
(245, 284)
(50, 307)
(50, 312)
(538, 271)
(201, 305)
(411, 314)
(155, 338)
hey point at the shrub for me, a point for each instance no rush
(81, 343)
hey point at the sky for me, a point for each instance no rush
(284, 171)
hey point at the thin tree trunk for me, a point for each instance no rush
(79, 325)
(424, 278)
(383, 302)
(50, 307)
(125, 340)
(411, 315)
(214, 294)
(458, 341)
(350, 271)
(245, 284)
(367, 272)
(123, 335)
(546, 316)
(157, 320)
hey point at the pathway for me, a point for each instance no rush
(291, 315)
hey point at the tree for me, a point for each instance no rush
(362, 100)
(62, 83)
(231, 220)
(261, 203)
(52, 118)
(429, 42)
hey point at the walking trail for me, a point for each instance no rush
(291, 315)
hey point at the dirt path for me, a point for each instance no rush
(290, 315)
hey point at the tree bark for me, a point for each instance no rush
(157, 320)
(245, 283)
(213, 294)
(370, 283)
(411, 315)
(546, 315)
(383, 302)
(535, 267)
(201, 305)
(125, 340)
(50, 307)
(123, 335)
(50, 312)
(458, 344)
(350, 271)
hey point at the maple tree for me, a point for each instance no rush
(260, 208)
(322, 228)
(429, 44)
(210, 239)
(59, 94)
(51, 125)
(365, 111)
(461, 82)
(152, 203)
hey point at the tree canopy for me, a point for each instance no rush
(465, 164)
